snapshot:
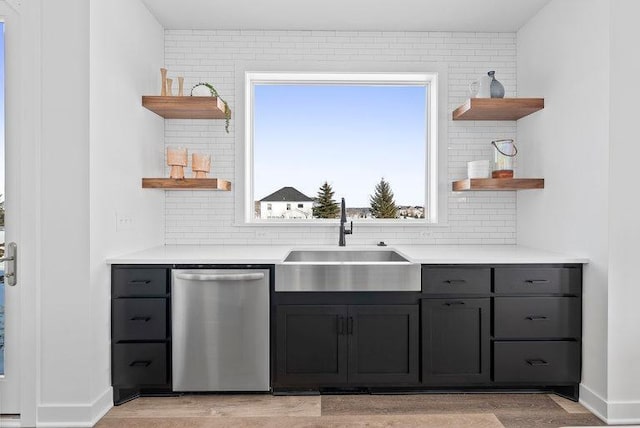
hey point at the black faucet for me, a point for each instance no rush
(343, 219)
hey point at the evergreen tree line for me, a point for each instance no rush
(382, 202)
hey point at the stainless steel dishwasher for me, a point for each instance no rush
(220, 323)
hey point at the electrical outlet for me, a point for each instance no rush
(124, 221)
(425, 234)
(261, 234)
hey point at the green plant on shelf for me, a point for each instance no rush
(214, 93)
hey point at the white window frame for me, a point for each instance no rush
(436, 171)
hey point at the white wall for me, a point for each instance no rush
(566, 143)
(64, 329)
(127, 51)
(624, 210)
(579, 55)
(94, 145)
(218, 56)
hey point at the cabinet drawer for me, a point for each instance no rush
(139, 319)
(536, 317)
(456, 280)
(542, 362)
(139, 282)
(543, 280)
(137, 364)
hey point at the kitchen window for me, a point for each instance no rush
(314, 138)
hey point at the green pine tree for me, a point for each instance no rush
(325, 206)
(382, 203)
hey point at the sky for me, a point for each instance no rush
(350, 136)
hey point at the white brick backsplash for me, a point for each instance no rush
(208, 218)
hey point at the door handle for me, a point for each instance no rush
(221, 276)
(350, 325)
(11, 271)
(340, 326)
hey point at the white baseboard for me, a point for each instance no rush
(623, 413)
(593, 402)
(75, 416)
(611, 412)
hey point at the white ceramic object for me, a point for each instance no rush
(481, 88)
(479, 169)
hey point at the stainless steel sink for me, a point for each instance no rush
(366, 256)
(347, 270)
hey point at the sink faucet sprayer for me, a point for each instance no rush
(343, 219)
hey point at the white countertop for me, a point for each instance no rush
(272, 254)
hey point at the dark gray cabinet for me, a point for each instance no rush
(502, 326)
(537, 362)
(311, 344)
(137, 364)
(538, 280)
(342, 345)
(456, 280)
(383, 344)
(456, 341)
(140, 331)
(537, 317)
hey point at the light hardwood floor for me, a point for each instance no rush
(371, 411)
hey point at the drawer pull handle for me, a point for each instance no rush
(145, 363)
(536, 318)
(140, 282)
(537, 281)
(139, 318)
(455, 281)
(453, 303)
(350, 325)
(536, 363)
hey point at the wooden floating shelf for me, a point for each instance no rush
(497, 108)
(185, 107)
(498, 184)
(186, 184)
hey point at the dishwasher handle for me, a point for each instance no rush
(221, 276)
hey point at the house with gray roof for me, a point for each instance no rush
(287, 203)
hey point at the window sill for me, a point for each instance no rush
(332, 223)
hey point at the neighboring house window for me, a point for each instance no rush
(372, 137)
(269, 207)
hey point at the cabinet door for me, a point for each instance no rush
(455, 341)
(383, 344)
(311, 345)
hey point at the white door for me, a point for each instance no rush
(9, 152)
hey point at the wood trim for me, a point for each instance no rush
(186, 184)
(498, 184)
(497, 108)
(185, 107)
